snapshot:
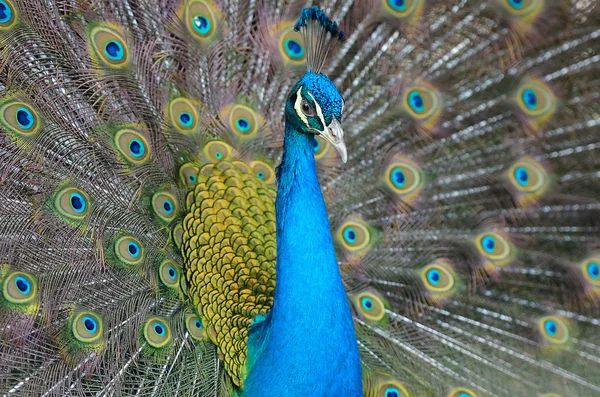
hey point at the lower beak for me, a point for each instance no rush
(335, 135)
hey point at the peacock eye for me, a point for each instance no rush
(194, 326)
(87, 327)
(7, 14)
(389, 387)
(306, 108)
(157, 332)
(19, 288)
(369, 306)
(553, 330)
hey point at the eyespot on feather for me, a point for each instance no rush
(129, 250)
(19, 288)
(164, 205)
(202, 20)
(553, 330)
(529, 9)
(87, 327)
(462, 392)
(243, 121)
(183, 115)
(403, 178)
(157, 332)
(20, 118)
(108, 46)
(216, 151)
(132, 145)
(590, 268)
(72, 203)
(188, 174)
(495, 248)
(354, 236)
(290, 44)
(536, 100)
(369, 306)
(8, 15)
(194, 326)
(387, 386)
(423, 103)
(438, 277)
(528, 176)
(170, 274)
(263, 171)
(403, 9)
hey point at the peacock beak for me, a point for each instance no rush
(335, 135)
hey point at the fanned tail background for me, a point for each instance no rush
(467, 219)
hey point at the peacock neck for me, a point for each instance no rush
(305, 253)
(307, 345)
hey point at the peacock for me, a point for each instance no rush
(386, 198)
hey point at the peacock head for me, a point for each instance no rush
(315, 107)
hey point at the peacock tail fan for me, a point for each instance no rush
(138, 148)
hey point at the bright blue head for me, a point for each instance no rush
(315, 107)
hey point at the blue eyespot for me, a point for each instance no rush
(136, 148)
(522, 176)
(397, 5)
(201, 24)
(316, 144)
(398, 177)
(530, 99)
(198, 324)
(219, 155)
(24, 118)
(90, 324)
(516, 4)
(114, 50)
(5, 12)
(392, 392)
(463, 395)
(294, 49)
(488, 243)
(261, 175)
(242, 124)
(415, 101)
(350, 235)
(133, 249)
(159, 329)
(172, 272)
(593, 270)
(77, 202)
(22, 284)
(433, 276)
(551, 327)
(168, 206)
(186, 119)
(193, 178)
(367, 303)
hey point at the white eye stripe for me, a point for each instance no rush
(319, 111)
(297, 107)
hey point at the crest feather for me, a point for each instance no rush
(319, 33)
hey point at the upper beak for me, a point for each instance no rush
(335, 135)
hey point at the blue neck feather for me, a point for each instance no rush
(307, 345)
